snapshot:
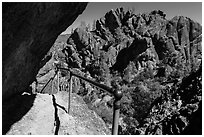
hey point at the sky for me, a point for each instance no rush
(96, 10)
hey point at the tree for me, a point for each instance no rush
(129, 72)
(104, 69)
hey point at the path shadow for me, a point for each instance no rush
(57, 120)
(14, 109)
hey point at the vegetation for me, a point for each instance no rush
(155, 100)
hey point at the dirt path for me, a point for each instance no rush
(48, 116)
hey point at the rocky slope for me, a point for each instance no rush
(144, 55)
(174, 114)
(29, 30)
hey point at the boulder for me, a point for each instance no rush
(28, 32)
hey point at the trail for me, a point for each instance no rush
(49, 116)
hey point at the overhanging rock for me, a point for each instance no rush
(29, 30)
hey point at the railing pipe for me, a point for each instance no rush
(58, 81)
(52, 86)
(48, 82)
(116, 111)
(70, 90)
(117, 94)
(101, 86)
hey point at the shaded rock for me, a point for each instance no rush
(137, 49)
(112, 21)
(180, 29)
(180, 111)
(29, 30)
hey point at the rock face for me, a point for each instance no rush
(29, 30)
(146, 39)
(158, 63)
(147, 57)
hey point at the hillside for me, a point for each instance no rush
(147, 57)
(155, 62)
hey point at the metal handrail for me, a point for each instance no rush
(117, 94)
(101, 86)
(51, 79)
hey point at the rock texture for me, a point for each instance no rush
(178, 113)
(154, 61)
(49, 116)
(29, 30)
(147, 57)
(146, 39)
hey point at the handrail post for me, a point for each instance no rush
(116, 112)
(58, 81)
(52, 86)
(70, 90)
(53, 82)
(117, 94)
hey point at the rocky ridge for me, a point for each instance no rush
(146, 39)
(147, 57)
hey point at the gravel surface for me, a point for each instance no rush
(48, 116)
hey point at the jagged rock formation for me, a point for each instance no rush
(156, 58)
(29, 30)
(152, 55)
(146, 39)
